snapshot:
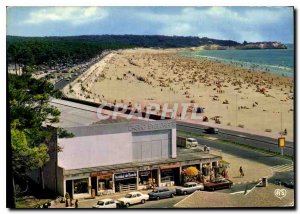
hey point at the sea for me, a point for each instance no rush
(277, 61)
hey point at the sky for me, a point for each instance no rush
(235, 23)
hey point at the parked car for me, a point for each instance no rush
(288, 184)
(161, 192)
(212, 130)
(218, 184)
(188, 188)
(106, 203)
(133, 198)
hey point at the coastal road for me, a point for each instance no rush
(245, 153)
(262, 142)
(63, 82)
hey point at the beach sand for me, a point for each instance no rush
(256, 100)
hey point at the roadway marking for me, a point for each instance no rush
(248, 191)
(212, 138)
(283, 168)
(239, 192)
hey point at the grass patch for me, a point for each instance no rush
(30, 202)
(253, 148)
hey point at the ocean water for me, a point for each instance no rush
(277, 61)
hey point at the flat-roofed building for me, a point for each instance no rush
(106, 156)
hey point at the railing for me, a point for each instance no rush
(124, 188)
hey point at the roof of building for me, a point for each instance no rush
(77, 115)
(184, 156)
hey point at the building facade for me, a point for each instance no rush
(115, 157)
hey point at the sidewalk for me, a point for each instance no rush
(259, 197)
(253, 170)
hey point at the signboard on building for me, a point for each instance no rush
(170, 166)
(144, 173)
(125, 175)
(102, 175)
(153, 125)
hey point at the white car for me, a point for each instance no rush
(133, 198)
(106, 203)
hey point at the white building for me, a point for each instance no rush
(114, 156)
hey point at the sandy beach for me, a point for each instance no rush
(237, 96)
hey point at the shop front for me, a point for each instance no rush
(125, 181)
(211, 170)
(147, 179)
(102, 183)
(191, 175)
(78, 188)
(170, 175)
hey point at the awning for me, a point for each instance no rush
(223, 162)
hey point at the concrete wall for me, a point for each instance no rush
(61, 189)
(174, 143)
(50, 168)
(95, 150)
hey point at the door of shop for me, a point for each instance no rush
(94, 184)
(69, 187)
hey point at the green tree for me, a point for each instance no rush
(30, 111)
(24, 156)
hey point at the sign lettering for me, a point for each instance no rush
(125, 175)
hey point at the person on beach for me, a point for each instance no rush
(241, 172)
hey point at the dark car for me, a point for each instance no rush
(212, 130)
(161, 193)
(288, 184)
(218, 184)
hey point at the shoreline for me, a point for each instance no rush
(161, 76)
(254, 66)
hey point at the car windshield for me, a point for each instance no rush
(186, 185)
(155, 191)
(128, 196)
(101, 203)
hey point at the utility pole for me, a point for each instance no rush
(236, 111)
(281, 126)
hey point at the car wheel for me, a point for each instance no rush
(127, 205)
(230, 186)
(184, 193)
(212, 189)
(143, 201)
(172, 195)
(157, 198)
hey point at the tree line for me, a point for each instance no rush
(52, 51)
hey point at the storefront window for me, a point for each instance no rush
(144, 177)
(167, 175)
(81, 186)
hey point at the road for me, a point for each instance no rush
(242, 138)
(63, 82)
(244, 153)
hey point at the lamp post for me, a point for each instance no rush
(236, 110)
